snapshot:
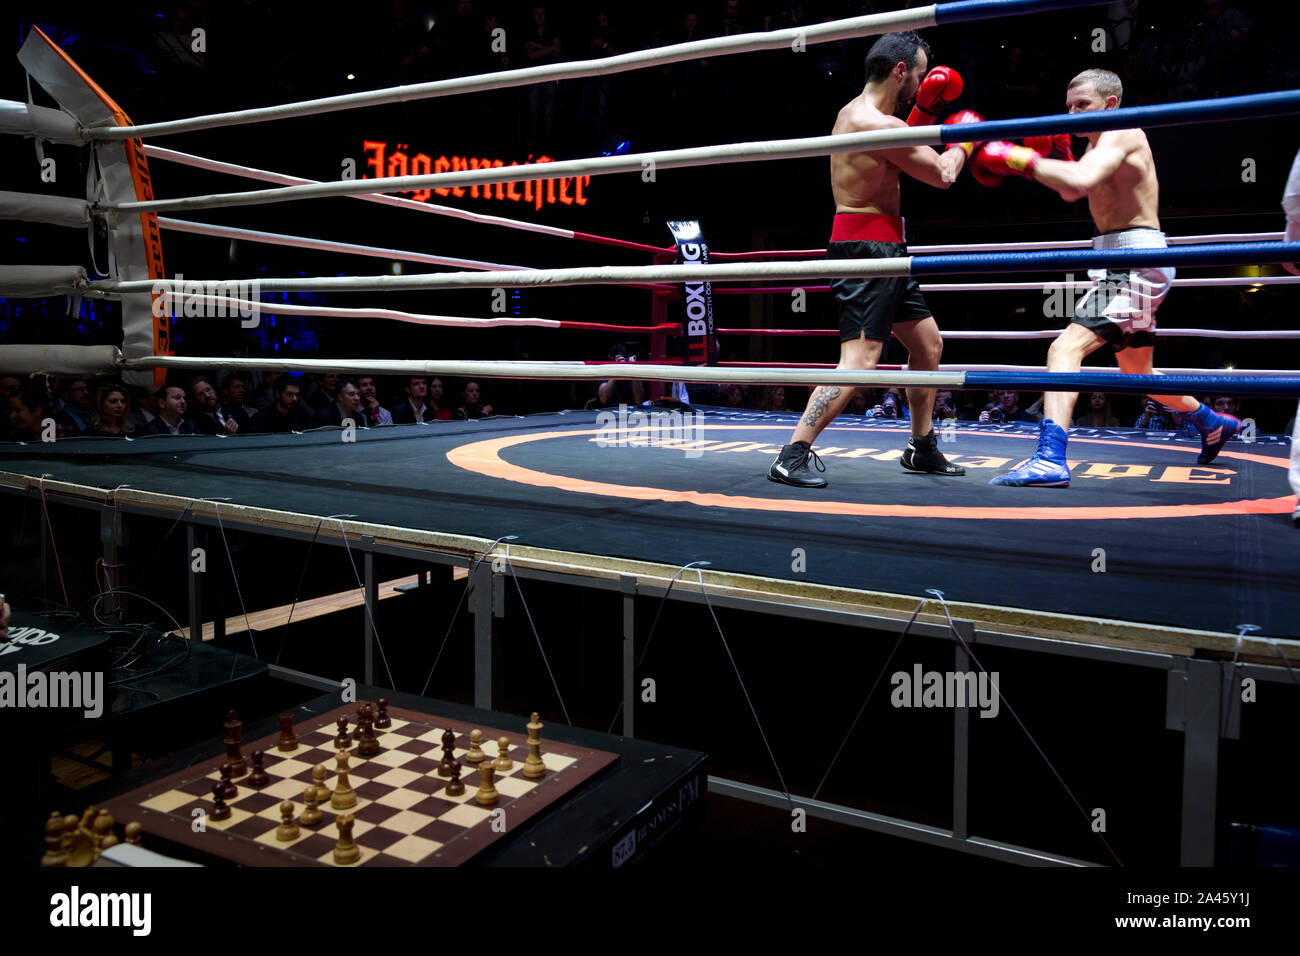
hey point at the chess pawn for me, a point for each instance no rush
(475, 753)
(134, 831)
(219, 809)
(318, 778)
(503, 761)
(56, 850)
(228, 788)
(487, 794)
(312, 796)
(344, 740)
(368, 746)
(343, 796)
(455, 786)
(288, 739)
(382, 720)
(346, 851)
(259, 777)
(287, 830)
(103, 830)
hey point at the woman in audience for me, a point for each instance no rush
(109, 416)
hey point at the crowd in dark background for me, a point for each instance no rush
(265, 53)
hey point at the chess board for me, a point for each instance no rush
(404, 817)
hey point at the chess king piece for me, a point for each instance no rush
(346, 851)
(287, 830)
(533, 765)
(288, 739)
(235, 737)
(475, 753)
(487, 794)
(503, 761)
(343, 796)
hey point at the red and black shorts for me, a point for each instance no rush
(871, 305)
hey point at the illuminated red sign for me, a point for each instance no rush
(384, 161)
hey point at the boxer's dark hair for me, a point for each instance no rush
(892, 49)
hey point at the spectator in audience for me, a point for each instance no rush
(1227, 405)
(323, 393)
(264, 394)
(619, 391)
(146, 408)
(861, 403)
(1099, 414)
(234, 392)
(373, 413)
(945, 405)
(732, 395)
(171, 419)
(596, 90)
(31, 408)
(771, 398)
(470, 406)
(345, 407)
(1004, 406)
(892, 405)
(206, 412)
(414, 409)
(1156, 418)
(10, 385)
(109, 417)
(287, 413)
(542, 46)
(441, 412)
(75, 404)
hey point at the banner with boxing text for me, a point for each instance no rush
(701, 346)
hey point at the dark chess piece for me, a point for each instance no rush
(356, 731)
(344, 740)
(455, 786)
(219, 809)
(382, 721)
(448, 747)
(368, 745)
(259, 777)
(288, 739)
(228, 788)
(235, 737)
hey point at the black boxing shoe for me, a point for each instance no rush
(791, 467)
(922, 454)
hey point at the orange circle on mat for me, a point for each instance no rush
(484, 458)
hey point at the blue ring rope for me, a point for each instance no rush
(1222, 109)
(1264, 385)
(1227, 253)
(960, 11)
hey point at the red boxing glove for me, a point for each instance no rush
(1052, 147)
(961, 117)
(941, 85)
(997, 160)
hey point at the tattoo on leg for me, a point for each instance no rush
(821, 401)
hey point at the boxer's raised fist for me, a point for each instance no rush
(997, 160)
(1053, 147)
(941, 85)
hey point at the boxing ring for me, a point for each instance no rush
(1149, 562)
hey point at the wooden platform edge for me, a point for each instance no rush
(1048, 625)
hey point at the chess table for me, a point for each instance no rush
(583, 807)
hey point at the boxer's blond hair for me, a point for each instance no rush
(1104, 82)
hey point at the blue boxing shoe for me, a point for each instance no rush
(1215, 431)
(1048, 467)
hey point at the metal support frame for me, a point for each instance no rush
(1201, 699)
(370, 595)
(194, 583)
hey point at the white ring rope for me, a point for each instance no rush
(263, 175)
(802, 148)
(326, 245)
(248, 172)
(846, 29)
